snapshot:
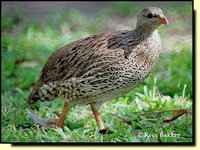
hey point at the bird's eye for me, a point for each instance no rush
(149, 16)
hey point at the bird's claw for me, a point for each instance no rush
(106, 131)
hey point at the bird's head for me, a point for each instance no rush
(151, 17)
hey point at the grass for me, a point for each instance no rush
(27, 45)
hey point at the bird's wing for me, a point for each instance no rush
(76, 58)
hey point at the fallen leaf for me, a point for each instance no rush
(176, 114)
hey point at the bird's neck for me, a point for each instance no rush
(143, 32)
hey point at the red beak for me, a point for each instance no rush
(164, 21)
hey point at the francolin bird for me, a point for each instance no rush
(99, 68)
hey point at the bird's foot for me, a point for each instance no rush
(45, 123)
(106, 131)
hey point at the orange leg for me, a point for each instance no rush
(97, 118)
(61, 120)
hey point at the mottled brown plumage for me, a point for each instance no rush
(100, 67)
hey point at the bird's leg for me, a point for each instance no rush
(62, 116)
(97, 117)
(95, 108)
(50, 123)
